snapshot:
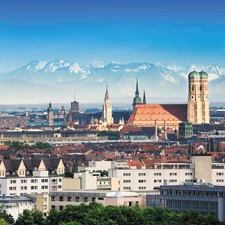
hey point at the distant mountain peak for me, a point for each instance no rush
(98, 64)
(63, 77)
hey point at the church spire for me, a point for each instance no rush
(144, 98)
(106, 93)
(137, 91)
(137, 99)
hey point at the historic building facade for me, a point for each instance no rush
(196, 111)
(107, 118)
(198, 102)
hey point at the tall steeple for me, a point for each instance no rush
(137, 99)
(144, 98)
(50, 115)
(198, 102)
(107, 109)
(137, 91)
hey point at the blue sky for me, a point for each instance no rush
(118, 30)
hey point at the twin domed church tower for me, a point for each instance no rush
(198, 102)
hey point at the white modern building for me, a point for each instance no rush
(94, 166)
(147, 179)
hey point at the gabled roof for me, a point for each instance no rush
(145, 113)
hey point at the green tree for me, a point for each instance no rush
(3, 222)
(53, 217)
(42, 145)
(30, 217)
(70, 223)
(9, 219)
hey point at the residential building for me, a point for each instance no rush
(31, 176)
(144, 177)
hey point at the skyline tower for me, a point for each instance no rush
(198, 102)
(107, 109)
(144, 98)
(137, 99)
(50, 115)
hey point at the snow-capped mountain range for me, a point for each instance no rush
(57, 80)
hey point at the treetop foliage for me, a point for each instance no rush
(97, 214)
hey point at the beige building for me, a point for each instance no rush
(198, 102)
(203, 167)
(90, 181)
(42, 202)
(59, 200)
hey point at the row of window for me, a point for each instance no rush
(158, 174)
(77, 199)
(219, 174)
(34, 181)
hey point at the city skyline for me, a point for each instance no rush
(83, 31)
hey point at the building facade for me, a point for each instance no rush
(198, 102)
(75, 107)
(201, 197)
(59, 200)
(148, 178)
(51, 136)
(31, 176)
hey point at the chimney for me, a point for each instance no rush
(156, 132)
(165, 128)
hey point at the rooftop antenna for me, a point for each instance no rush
(74, 96)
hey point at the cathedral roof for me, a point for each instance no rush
(148, 113)
(194, 75)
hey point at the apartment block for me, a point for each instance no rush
(31, 176)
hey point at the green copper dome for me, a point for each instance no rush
(194, 75)
(137, 100)
(204, 75)
(50, 107)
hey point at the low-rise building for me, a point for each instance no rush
(59, 200)
(201, 197)
(15, 205)
(51, 136)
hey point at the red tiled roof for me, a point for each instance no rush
(146, 115)
(134, 163)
